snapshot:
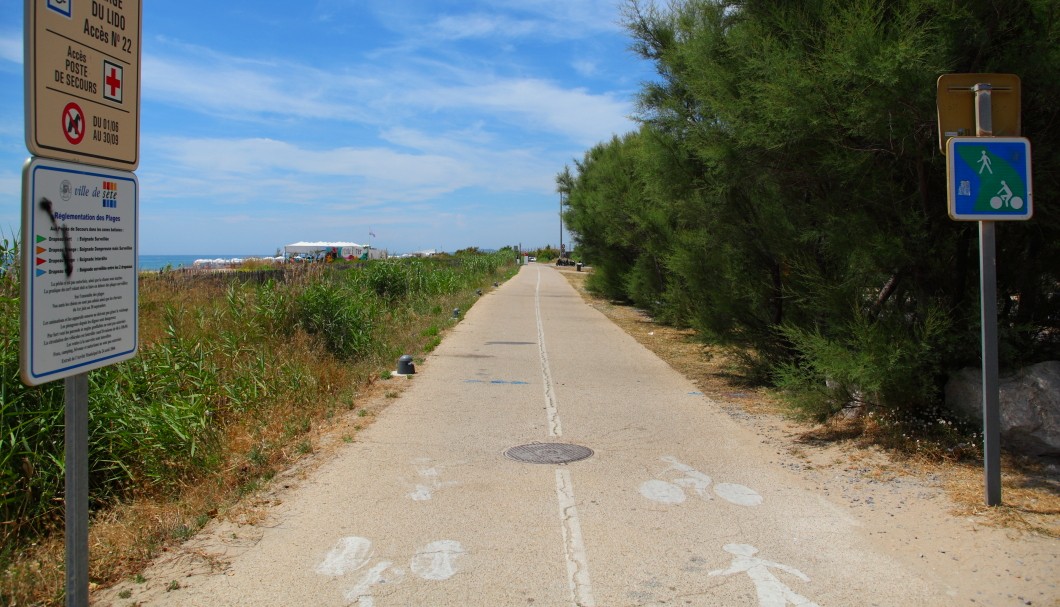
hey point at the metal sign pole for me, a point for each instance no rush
(76, 80)
(76, 499)
(988, 311)
(991, 397)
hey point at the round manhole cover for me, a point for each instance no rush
(548, 453)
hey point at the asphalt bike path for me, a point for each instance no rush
(677, 504)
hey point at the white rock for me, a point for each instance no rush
(1029, 402)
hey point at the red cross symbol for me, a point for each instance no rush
(112, 82)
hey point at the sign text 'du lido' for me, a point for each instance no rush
(83, 81)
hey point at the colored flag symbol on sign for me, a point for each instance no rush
(110, 202)
(40, 261)
(40, 250)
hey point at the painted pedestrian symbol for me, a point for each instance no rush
(984, 163)
(73, 123)
(771, 591)
(989, 178)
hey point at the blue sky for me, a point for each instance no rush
(436, 123)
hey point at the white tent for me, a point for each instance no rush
(345, 250)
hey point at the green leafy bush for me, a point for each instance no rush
(342, 316)
(871, 364)
(785, 195)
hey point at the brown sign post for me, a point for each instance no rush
(83, 81)
(958, 111)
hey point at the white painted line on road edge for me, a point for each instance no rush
(555, 429)
(577, 558)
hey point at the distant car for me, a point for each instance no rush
(533, 258)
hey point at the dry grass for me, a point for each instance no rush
(1030, 496)
(294, 433)
(1030, 493)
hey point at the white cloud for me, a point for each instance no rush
(585, 67)
(11, 46)
(482, 26)
(417, 92)
(257, 155)
(244, 171)
(574, 19)
(245, 89)
(582, 116)
(11, 185)
(449, 136)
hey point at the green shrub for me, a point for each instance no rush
(390, 280)
(878, 364)
(158, 423)
(342, 316)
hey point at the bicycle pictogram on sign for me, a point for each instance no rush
(989, 178)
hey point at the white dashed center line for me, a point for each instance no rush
(573, 545)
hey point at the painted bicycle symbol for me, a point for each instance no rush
(1004, 197)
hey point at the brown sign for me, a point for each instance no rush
(956, 105)
(83, 81)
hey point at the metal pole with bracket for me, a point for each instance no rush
(988, 179)
(984, 127)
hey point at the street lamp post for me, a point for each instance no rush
(561, 225)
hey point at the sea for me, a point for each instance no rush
(157, 262)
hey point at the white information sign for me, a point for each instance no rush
(79, 274)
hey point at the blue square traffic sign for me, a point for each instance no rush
(989, 178)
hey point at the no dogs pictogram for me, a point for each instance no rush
(73, 123)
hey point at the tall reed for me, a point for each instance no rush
(228, 376)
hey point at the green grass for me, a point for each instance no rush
(229, 381)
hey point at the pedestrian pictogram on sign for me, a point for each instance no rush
(112, 77)
(73, 123)
(989, 178)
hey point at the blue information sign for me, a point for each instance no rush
(989, 178)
